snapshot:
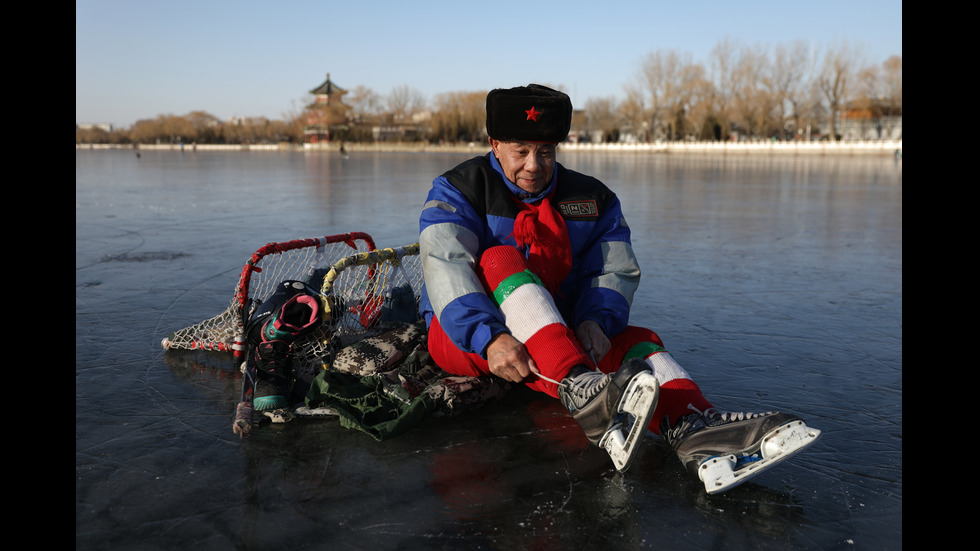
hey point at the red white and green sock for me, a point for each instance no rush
(677, 390)
(531, 315)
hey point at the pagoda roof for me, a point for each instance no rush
(328, 88)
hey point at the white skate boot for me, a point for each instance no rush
(613, 410)
(724, 449)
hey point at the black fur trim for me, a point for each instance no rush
(531, 113)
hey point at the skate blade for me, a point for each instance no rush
(721, 473)
(639, 400)
(281, 415)
(303, 411)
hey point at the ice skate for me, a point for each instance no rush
(273, 375)
(612, 409)
(290, 313)
(724, 449)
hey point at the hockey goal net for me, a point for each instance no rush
(361, 288)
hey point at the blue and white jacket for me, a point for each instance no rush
(471, 208)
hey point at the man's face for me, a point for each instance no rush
(529, 165)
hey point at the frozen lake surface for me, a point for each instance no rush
(777, 282)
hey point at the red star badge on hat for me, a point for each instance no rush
(532, 114)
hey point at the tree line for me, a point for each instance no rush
(786, 92)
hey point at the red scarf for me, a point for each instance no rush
(542, 230)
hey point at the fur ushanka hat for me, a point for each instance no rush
(531, 113)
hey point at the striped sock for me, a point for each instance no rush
(665, 367)
(530, 313)
(677, 389)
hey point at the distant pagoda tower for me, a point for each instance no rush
(327, 115)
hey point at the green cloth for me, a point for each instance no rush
(385, 384)
(367, 404)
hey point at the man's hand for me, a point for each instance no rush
(593, 339)
(509, 359)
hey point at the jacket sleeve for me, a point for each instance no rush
(451, 239)
(609, 273)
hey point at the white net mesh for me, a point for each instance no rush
(264, 270)
(361, 291)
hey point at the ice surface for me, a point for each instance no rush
(777, 282)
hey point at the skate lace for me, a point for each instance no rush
(714, 416)
(587, 385)
(710, 417)
(274, 357)
(725, 416)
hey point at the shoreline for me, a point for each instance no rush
(890, 148)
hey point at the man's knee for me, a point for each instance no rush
(498, 263)
(634, 335)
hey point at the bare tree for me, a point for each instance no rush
(699, 106)
(633, 111)
(751, 104)
(723, 62)
(459, 116)
(364, 102)
(892, 91)
(207, 127)
(654, 76)
(663, 76)
(693, 104)
(294, 118)
(405, 101)
(866, 98)
(601, 117)
(834, 82)
(786, 80)
(165, 128)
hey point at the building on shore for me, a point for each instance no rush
(326, 117)
(104, 126)
(870, 120)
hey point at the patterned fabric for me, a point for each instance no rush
(381, 353)
(385, 385)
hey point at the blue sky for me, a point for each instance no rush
(137, 59)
